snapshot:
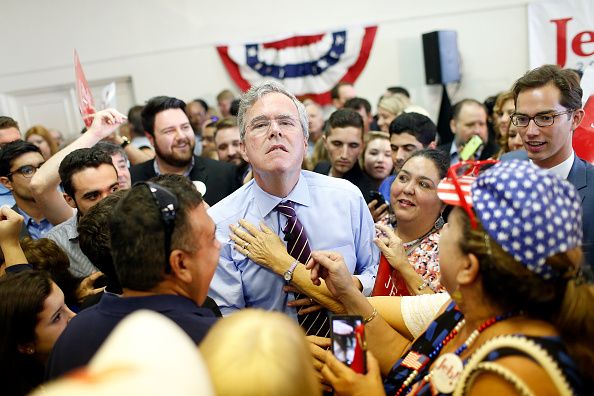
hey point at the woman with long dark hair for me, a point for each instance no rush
(32, 317)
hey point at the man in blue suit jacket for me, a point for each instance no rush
(548, 109)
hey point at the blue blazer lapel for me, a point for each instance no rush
(577, 176)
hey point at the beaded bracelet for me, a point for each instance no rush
(371, 317)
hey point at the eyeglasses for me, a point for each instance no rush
(469, 169)
(261, 125)
(541, 120)
(167, 204)
(26, 170)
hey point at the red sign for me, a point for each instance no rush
(388, 281)
(582, 44)
(561, 32)
(86, 104)
(583, 136)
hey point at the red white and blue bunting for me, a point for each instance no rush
(309, 66)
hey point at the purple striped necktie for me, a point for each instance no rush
(315, 323)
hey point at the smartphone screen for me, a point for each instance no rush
(348, 341)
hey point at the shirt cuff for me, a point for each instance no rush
(367, 281)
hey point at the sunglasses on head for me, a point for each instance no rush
(466, 169)
(168, 205)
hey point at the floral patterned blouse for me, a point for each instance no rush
(425, 260)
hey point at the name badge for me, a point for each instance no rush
(445, 373)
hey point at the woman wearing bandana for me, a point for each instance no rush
(519, 321)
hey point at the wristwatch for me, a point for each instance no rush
(288, 275)
(125, 141)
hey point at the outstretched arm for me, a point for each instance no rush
(386, 343)
(135, 155)
(44, 184)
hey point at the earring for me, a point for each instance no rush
(30, 351)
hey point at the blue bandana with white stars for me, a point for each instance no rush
(531, 213)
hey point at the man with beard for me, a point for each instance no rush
(228, 145)
(169, 130)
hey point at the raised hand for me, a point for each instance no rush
(346, 382)
(261, 245)
(391, 246)
(87, 286)
(105, 122)
(10, 224)
(331, 267)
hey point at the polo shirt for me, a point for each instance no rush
(87, 331)
(66, 236)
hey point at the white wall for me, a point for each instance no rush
(167, 46)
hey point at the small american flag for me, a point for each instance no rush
(414, 360)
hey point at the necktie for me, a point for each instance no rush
(315, 323)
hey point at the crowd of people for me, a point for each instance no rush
(467, 251)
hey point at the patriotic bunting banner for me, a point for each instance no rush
(309, 66)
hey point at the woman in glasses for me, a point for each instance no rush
(519, 321)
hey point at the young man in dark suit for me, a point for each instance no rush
(548, 103)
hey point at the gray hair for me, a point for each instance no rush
(259, 90)
(110, 149)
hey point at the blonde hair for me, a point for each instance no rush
(372, 135)
(255, 352)
(44, 133)
(319, 154)
(394, 104)
(368, 138)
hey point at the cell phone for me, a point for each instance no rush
(471, 147)
(373, 194)
(348, 341)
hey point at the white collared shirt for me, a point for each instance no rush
(562, 170)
